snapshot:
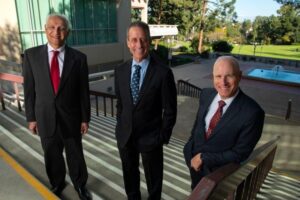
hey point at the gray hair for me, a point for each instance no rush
(232, 60)
(141, 25)
(62, 17)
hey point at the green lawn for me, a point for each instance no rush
(275, 51)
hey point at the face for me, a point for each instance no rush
(56, 32)
(138, 43)
(226, 78)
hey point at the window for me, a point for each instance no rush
(92, 21)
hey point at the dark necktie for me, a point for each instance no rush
(135, 84)
(54, 70)
(215, 119)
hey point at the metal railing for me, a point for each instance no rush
(15, 80)
(234, 181)
(187, 89)
(104, 96)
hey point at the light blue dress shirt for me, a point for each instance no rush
(144, 66)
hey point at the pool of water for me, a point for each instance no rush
(281, 76)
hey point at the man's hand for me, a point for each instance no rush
(196, 162)
(32, 126)
(84, 128)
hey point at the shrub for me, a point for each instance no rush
(205, 53)
(194, 44)
(222, 46)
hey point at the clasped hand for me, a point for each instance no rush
(196, 162)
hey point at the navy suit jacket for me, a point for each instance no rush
(70, 106)
(234, 137)
(149, 123)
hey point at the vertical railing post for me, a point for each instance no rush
(17, 96)
(97, 111)
(2, 98)
(289, 109)
(112, 106)
(104, 105)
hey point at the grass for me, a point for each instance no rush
(274, 51)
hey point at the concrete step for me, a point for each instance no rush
(104, 165)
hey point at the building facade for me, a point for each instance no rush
(98, 27)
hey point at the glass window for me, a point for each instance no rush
(92, 21)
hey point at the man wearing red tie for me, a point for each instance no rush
(228, 125)
(57, 104)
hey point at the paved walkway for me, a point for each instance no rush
(18, 183)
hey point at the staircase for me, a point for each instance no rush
(101, 154)
(104, 165)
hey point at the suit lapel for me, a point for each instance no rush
(147, 80)
(45, 67)
(67, 67)
(204, 111)
(232, 111)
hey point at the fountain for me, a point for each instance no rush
(277, 68)
(276, 74)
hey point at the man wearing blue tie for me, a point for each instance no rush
(146, 113)
(228, 125)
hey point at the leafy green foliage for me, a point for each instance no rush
(222, 46)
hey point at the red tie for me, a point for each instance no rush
(55, 71)
(215, 119)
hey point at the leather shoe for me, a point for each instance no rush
(57, 190)
(84, 194)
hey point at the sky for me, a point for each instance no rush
(249, 9)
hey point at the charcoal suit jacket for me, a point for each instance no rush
(149, 123)
(234, 137)
(70, 106)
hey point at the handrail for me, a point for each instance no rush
(15, 79)
(104, 95)
(187, 89)
(234, 181)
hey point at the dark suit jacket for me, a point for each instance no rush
(234, 137)
(151, 120)
(70, 106)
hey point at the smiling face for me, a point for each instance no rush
(226, 77)
(56, 31)
(138, 43)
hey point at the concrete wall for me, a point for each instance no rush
(124, 20)
(9, 32)
(104, 53)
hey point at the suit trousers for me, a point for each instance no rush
(153, 169)
(54, 161)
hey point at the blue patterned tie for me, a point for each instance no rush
(135, 84)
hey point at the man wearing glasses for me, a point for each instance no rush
(57, 104)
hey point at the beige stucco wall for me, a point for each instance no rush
(9, 33)
(104, 53)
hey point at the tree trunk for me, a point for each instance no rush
(158, 22)
(202, 21)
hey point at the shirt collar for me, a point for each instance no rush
(228, 100)
(144, 63)
(60, 49)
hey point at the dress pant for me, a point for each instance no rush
(54, 161)
(153, 169)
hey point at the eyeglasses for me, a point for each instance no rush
(53, 28)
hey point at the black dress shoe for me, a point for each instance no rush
(57, 190)
(84, 194)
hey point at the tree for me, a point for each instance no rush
(294, 3)
(180, 12)
(245, 30)
(290, 23)
(224, 10)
